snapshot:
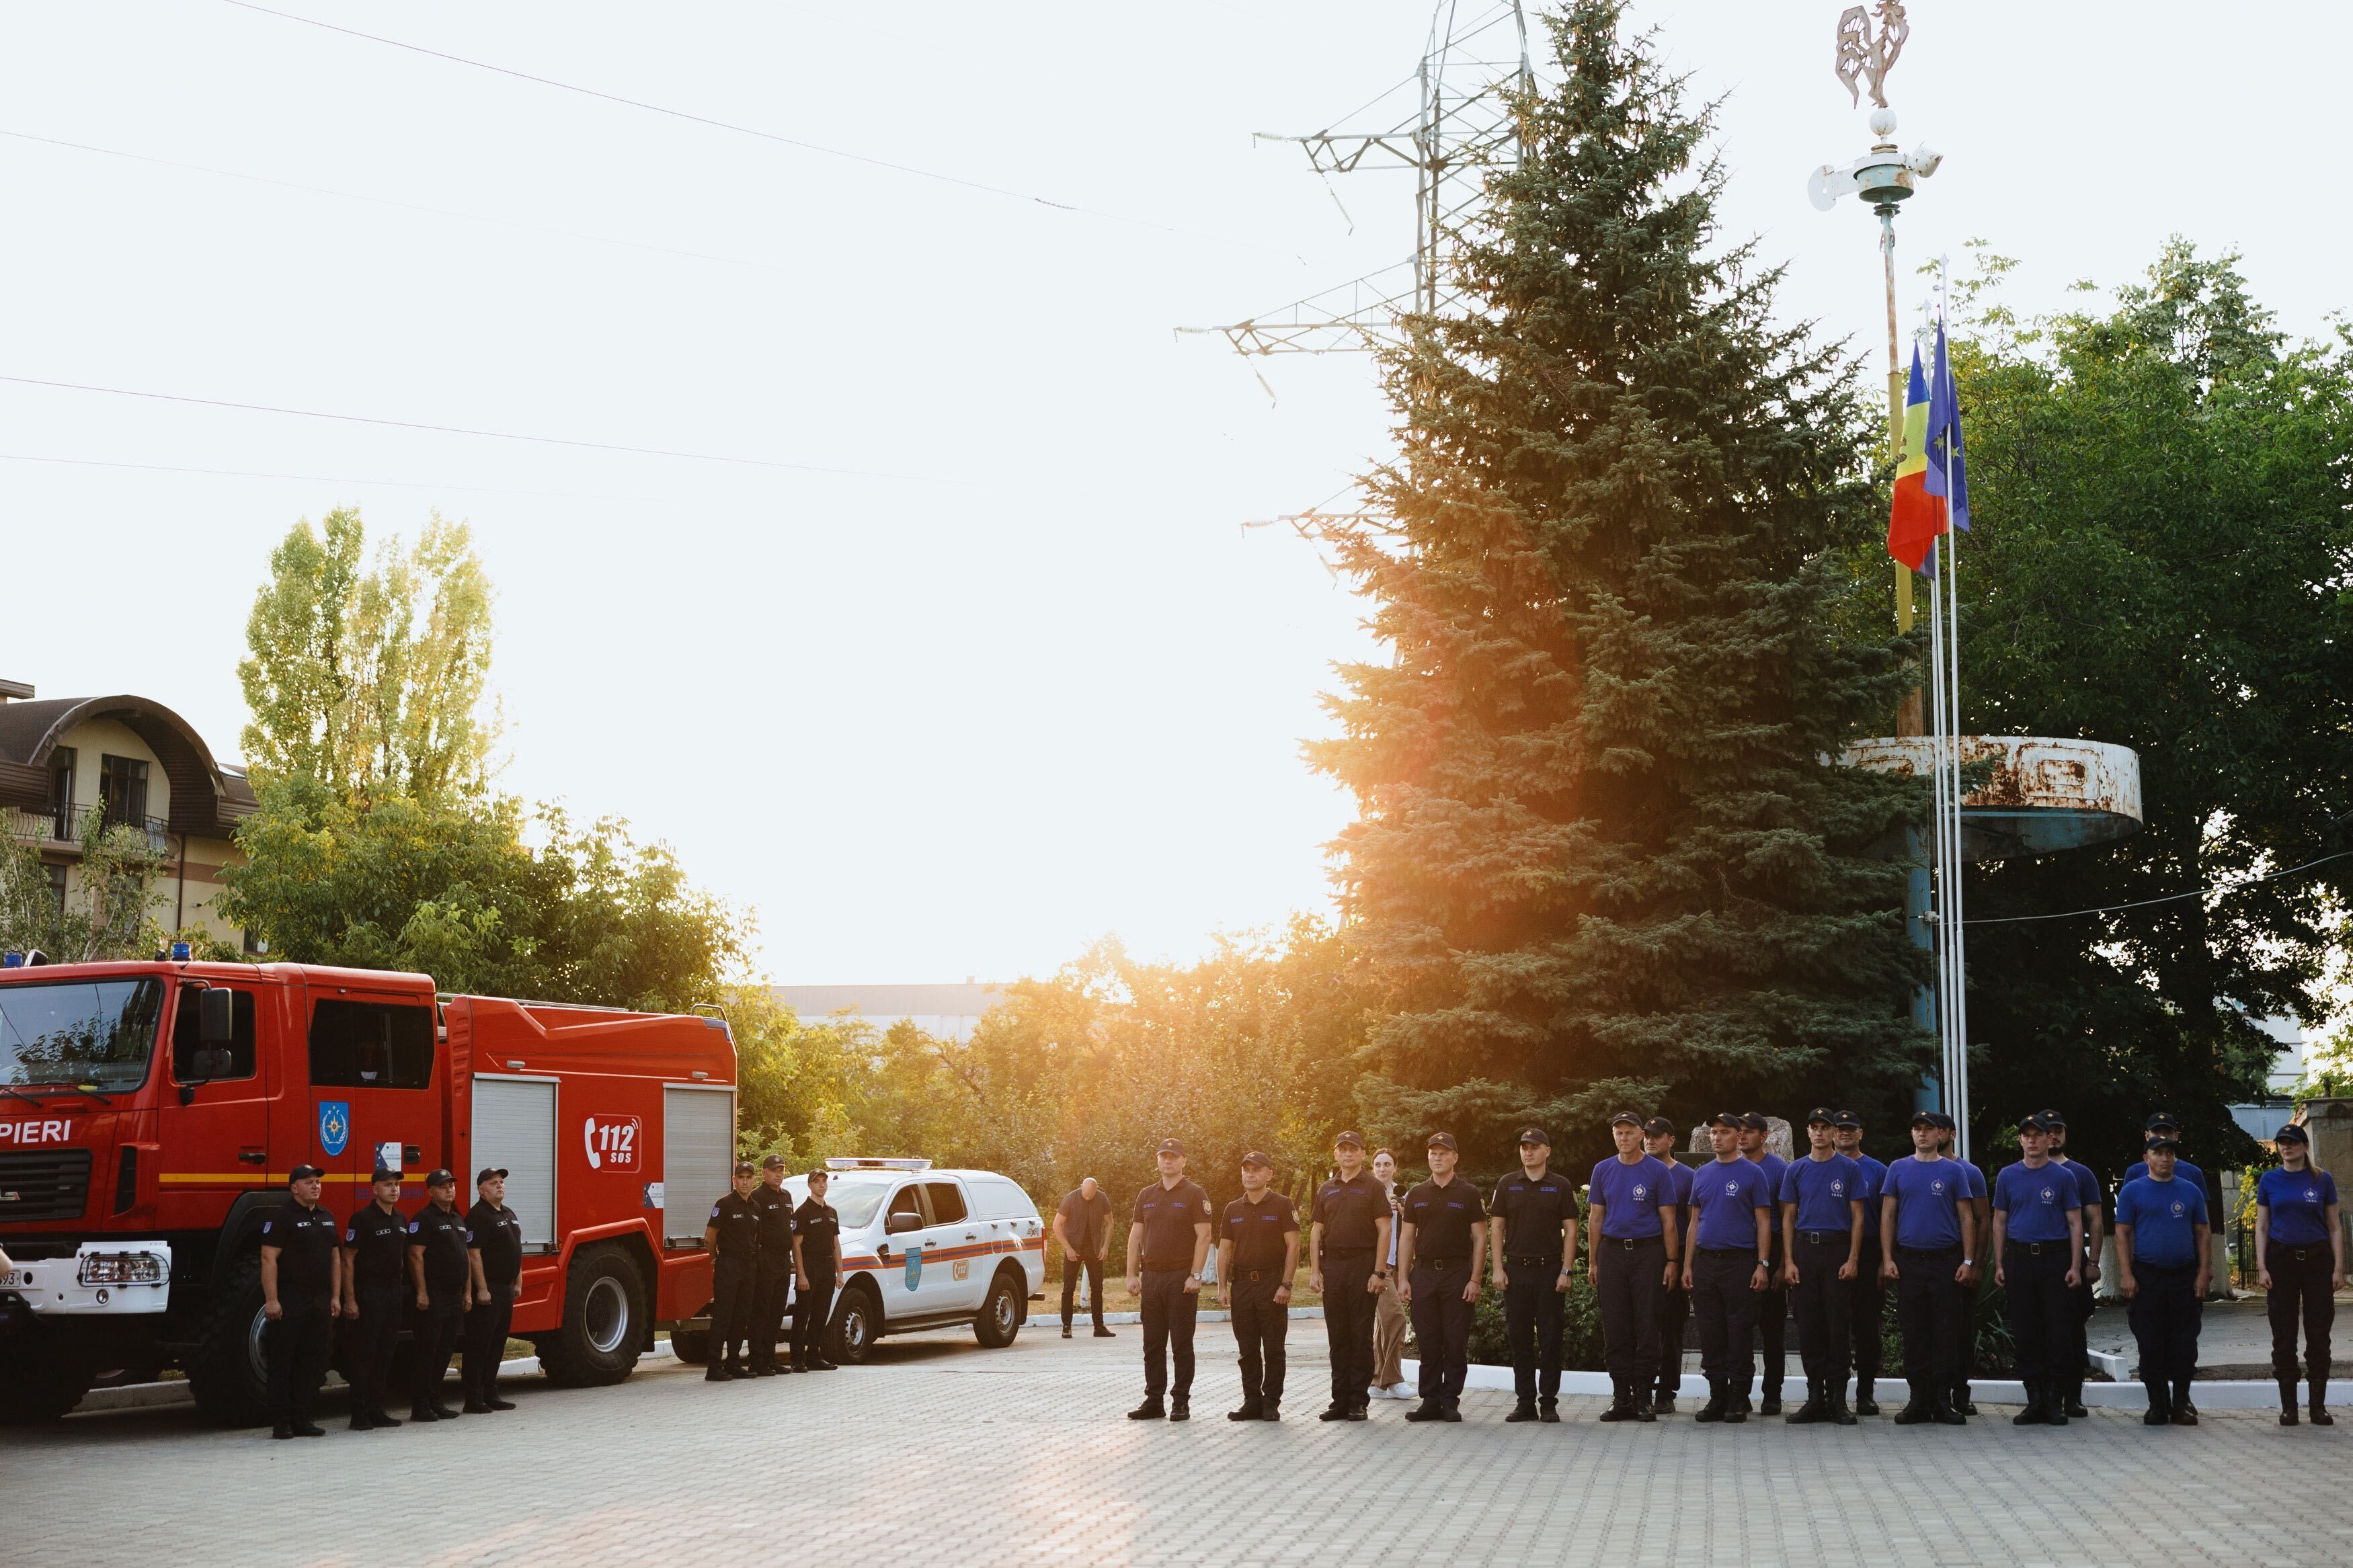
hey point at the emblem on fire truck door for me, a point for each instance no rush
(612, 1142)
(335, 1125)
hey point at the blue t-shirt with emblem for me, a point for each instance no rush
(2299, 1202)
(2038, 1200)
(1874, 1174)
(1822, 1189)
(2183, 1171)
(1727, 1194)
(2163, 1217)
(1631, 1196)
(1927, 1194)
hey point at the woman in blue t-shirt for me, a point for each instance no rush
(2300, 1250)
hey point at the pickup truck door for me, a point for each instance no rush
(960, 1240)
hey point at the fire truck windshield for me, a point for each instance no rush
(96, 1032)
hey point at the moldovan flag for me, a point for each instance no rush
(1917, 517)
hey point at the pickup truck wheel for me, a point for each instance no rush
(857, 1324)
(42, 1377)
(227, 1374)
(604, 1320)
(1000, 1314)
(692, 1346)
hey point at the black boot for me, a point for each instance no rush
(1622, 1402)
(1663, 1401)
(1427, 1410)
(2034, 1414)
(2055, 1404)
(2318, 1377)
(1548, 1411)
(2074, 1403)
(361, 1421)
(1180, 1407)
(1718, 1396)
(1643, 1411)
(1947, 1413)
(1526, 1410)
(1150, 1410)
(2160, 1405)
(1273, 1411)
(1812, 1410)
(1867, 1402)
(378, 1417)
(1252, 1410)
(1772, 1404)
(2287, 1402)
(1839, 1412)
(1919, 1410)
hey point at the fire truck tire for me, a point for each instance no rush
(604, 1320)
(857, 1324)
(224, 1371)
(1000, 1312)
(41, 1379)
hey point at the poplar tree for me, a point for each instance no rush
(1604, 853)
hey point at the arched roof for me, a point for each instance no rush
(204, 797)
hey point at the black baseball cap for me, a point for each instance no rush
(2157, 1143)
(1753, 1121)
(2163, 1119)
(1924, 1118)
(302, 1174)
(1355, 1138)
(1824, 1114)
(743, 1168)
(1846, 1118)
(1731, 1119)
(1945, 1123)
(1443, 1141)
(1657, 1127)
(2292, 1133)
(2054, 1119)
(1255, 1158)
(438, 1177)
(1170, 1146)
(487, 1171)
(2033, 1122)
(385, 1173)
(1623, 1119)
(1538, 1136)
(773, 1163)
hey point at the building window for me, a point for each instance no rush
(61, 787)
(123, 790)
(57, 880)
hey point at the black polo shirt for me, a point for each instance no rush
(1350, 1212)
(1260, 1231)
(1532, 1214)
(821, 1229)
(774, 1207)
(442, 1233)
(738, 1223)
(1441, 1219)
(378, 1238)
(305, 1240)
(1168, 1216)
(498, 1237)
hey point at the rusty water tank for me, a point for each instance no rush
(2044, 794)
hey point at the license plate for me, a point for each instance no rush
(12, 1278)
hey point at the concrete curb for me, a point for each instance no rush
(159, 1395)
(2217, 1395)
(1210, 1315)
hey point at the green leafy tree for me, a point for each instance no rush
(111, 914)
(1602, 854)
(2161, 560)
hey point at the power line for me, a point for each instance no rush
(465, 430)
(714, 123)
(316, 479)
(389, 202)
(2169, 899)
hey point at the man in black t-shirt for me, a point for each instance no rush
(1167, 1243)
(734, 1238)
(301, 1279)
(1347, 1253)
(376, 1255)
(773, 1269)
(1083, 1227)
(1257, 1255)
(1445, 1233)
(441, 1273)
(816, 1275)
(496, 1250)
(1534, 1241)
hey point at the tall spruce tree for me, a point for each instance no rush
(1603, 855)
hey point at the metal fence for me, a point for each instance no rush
(65, 825)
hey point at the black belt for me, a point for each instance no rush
(1633, 1243)
(1533, 1260)
(1254, 1275)
(2037, 1248)
(1823, 1238)
(1903, 1251)
(1331, 1251)
(1438, 1263)
(2306, 1254)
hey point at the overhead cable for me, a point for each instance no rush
(2169, 899)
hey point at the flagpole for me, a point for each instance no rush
(1960, 1009)
(1940, 818)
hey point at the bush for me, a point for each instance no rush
(1580, 1339)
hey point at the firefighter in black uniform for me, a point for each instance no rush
(816, 1275)
(441, 1272)
(1347, 1248)
(301, 1279)
(1257, 1257)
(497, 1233)
(1534, 1245)
(773, 1274)
(1167, 1243)
(1438, 1252)
(375, 1250)
(734, 1238)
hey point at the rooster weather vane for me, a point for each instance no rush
(1862, 59)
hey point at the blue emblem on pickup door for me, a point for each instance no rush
(914, 1265)
(335, 1125)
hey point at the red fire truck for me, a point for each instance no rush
(150, 1112)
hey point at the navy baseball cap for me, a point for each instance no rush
(2292, 1133)
(1623, 1119)
(1255, 1158)
(773, 1163)
(1171, 1146)
(1348, 1137)
(2054, 1119)
(386, 1174)
(1731, 1119)
(1753, 1121)
(2162, 1119)
(1824, 1114)
(1539, 1138)
(487, 1171)
(1443, 1141)
(2166, 1143)
(302, 1174)
(2033, 1122)
(1924, 1118)
(1846, 1118)
(1657, 1127)
(439, 1177)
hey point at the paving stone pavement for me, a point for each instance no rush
(942, 1454)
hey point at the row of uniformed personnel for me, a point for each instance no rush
(764, 1248)
(1742, 1241)
(451, 1276)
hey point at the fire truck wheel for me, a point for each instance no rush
(857, 1324)
(41, 1378)
(226, 1371)
(1000, 1314)
(604, 1320)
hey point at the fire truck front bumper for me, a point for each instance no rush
(109, 1278)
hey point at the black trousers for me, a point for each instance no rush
(1726, 1310)
(1348, 1325)
(1441, 1328)
(1866, 1307)
(2300, 1278)
(295, 1347)
(1674, 1311)
(1628, 1292)
(1533, 1314)
(1822, 1302)
(2166, 1314)
(435, 1335)
(771, 1285)
(813, 1313)
(369, 1344)
(1261, 1325)
(1928, 1304)
(731, 1285)
(1093, 1267)
(2041, 1309)
(1772, 1328)
(2079, 1349)
(487, 1325)
(1169, 1314)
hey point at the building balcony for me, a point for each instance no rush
(62, 826)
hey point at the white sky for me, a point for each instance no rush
(1023, 679)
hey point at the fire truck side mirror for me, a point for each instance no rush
(214, 1023)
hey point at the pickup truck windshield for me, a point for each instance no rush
(854, 1197)
(98, 1032)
